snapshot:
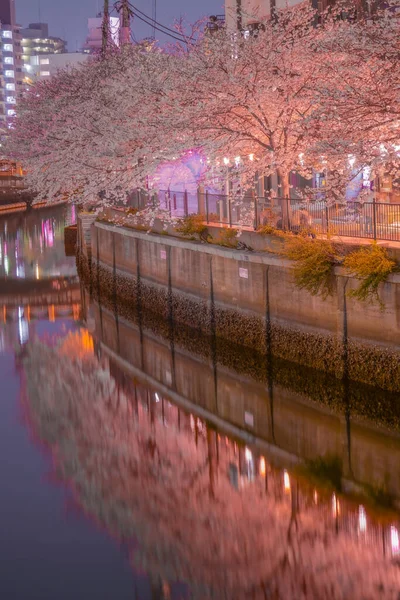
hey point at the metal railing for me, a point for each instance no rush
(371, 220)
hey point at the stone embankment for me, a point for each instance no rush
(248, 298)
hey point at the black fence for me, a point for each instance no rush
(372, 220)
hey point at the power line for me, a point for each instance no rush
(155, 24)
(179, 39)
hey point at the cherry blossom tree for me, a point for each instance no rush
(82, 135)
(359, 97)
(291, 97)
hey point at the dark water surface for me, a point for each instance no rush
(138, 463)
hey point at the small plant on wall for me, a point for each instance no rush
(228, 237)
(193, 226)
(314, 262)
(371, 265)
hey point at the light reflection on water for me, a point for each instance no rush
(32, 244)
(112, 490)
(189, 502)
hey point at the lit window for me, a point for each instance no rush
(44, 61)
(11, 113)
(9, 74)
(7, 34)
(10, 99)
(8, 47)
(8, 60)
(45, 73)
(10, 86)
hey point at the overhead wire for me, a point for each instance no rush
(156, 25)
(182, 39)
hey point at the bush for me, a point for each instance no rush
(193, 225)
(266, 230)
(372, 266)
(228, 237)
(315, 259)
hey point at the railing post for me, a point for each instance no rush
(327, 217)
(374, 215)
(174, 201)
(185, 203)
(287, 212)
(229, 211)
(255, 211)
(207, 206)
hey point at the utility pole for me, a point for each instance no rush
(125, 32)
(105, 29)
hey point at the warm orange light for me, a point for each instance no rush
(335, 506)
(52, 313)
(263, 466)
(286, 481)
(78, 344)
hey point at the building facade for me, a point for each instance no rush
(47, 65)
(94, 39)
(37, 43)
(11, 80)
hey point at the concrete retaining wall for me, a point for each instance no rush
(250, 298)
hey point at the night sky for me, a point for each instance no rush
(68, 18)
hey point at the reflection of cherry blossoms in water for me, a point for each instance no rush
(147, 472)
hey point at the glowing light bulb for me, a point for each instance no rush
(226, 161)
(251, 157)
(263, 466)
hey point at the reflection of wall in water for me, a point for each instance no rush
(299, 427)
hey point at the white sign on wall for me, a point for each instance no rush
(244, 273)
(249, 419)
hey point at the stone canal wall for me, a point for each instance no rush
(294, 428)
(250, 299)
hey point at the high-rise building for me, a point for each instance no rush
(36, 42)
(94, 39)
(11, 82)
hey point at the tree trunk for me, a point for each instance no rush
(285, 198)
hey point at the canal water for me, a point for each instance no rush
(140, 461)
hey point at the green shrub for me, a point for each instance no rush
(314, 261)
(228, 237)
(372, 266)
(193, 225)
(266, 230)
